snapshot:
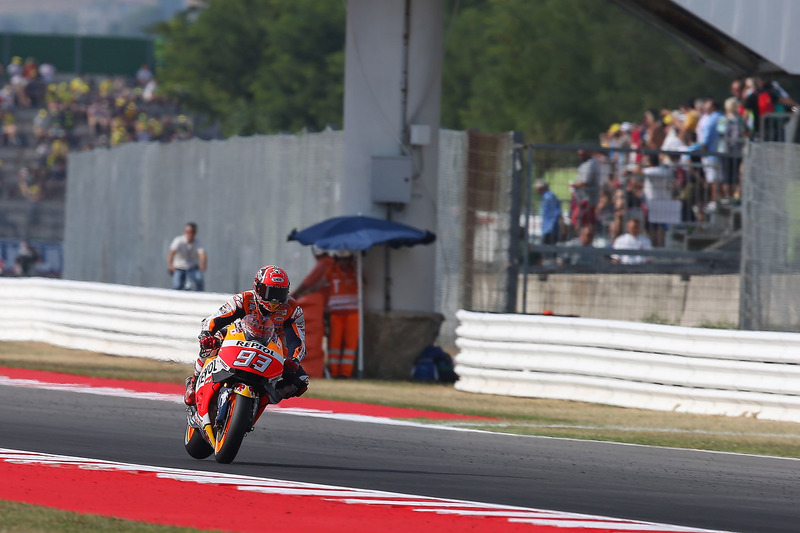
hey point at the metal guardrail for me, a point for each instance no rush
(647, 366)
(113, 319)
(677, 262)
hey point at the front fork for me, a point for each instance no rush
(224, 396)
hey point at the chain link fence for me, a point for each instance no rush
(771, 245)
(474, 202)
(689, 277)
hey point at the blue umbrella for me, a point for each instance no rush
(360, 233)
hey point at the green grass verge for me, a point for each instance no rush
(23, 518)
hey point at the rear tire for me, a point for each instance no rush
(195, 444)
(237, 423)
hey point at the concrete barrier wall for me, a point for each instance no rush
(662, 298)
(647, 366)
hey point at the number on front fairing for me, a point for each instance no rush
(257, 361)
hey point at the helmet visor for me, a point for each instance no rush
(272, 294)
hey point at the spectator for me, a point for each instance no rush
(98, 117)
(26, 260)
(672, 141)
(15, 67)
(633, 240)
(111, 107)
(41, 125)
(661, 208)
(30, 188)
(30, 70)
(149, 91)
(550, 212)
(586, 190)
(618, 220)
(618, 159)
(47, 72)
(737, 92)
(708, 139)
(604, 213)
(733, 133)
(763, 98)
(585, 239)
(142, 129)
(635, 203)
(10, 136)
(688, 123)
(654, 130)
(143, 75)
(187, 259)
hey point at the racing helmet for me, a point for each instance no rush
(271, 287)
(257, 328)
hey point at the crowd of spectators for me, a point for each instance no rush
(77, 113)
(696, 167)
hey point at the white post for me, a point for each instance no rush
(360, 317)
(393, 80)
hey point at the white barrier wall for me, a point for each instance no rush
(647, 366)
(114, 319)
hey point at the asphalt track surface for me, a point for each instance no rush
(708, 490)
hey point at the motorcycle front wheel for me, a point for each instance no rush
(229, 437)
(195, 444)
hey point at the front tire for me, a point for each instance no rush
(195, 444)
(237, 423)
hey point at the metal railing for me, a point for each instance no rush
(695, 239)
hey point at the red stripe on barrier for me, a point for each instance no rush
(298, 403)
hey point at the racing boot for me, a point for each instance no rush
(188, 396)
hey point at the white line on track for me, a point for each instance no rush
(355, 496)
(350, 417)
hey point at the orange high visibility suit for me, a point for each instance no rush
(343, 307)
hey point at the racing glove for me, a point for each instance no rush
(290, 366)
(293, 375)
(208, 341)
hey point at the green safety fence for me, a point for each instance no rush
(81, 54)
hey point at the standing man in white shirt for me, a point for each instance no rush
(187, 260)
(633, 240)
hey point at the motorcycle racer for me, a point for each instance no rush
(269, 298)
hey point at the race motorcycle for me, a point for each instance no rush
(236, 384)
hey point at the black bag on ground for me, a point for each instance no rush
(434, 364)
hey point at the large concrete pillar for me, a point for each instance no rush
(393, 45)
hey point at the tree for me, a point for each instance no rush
(258, 66)
(561, 70)
(557, 70)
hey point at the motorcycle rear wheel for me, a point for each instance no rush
(195, 444)
(237, 423)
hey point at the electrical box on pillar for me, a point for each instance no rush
(391, 179)
(419, 134)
